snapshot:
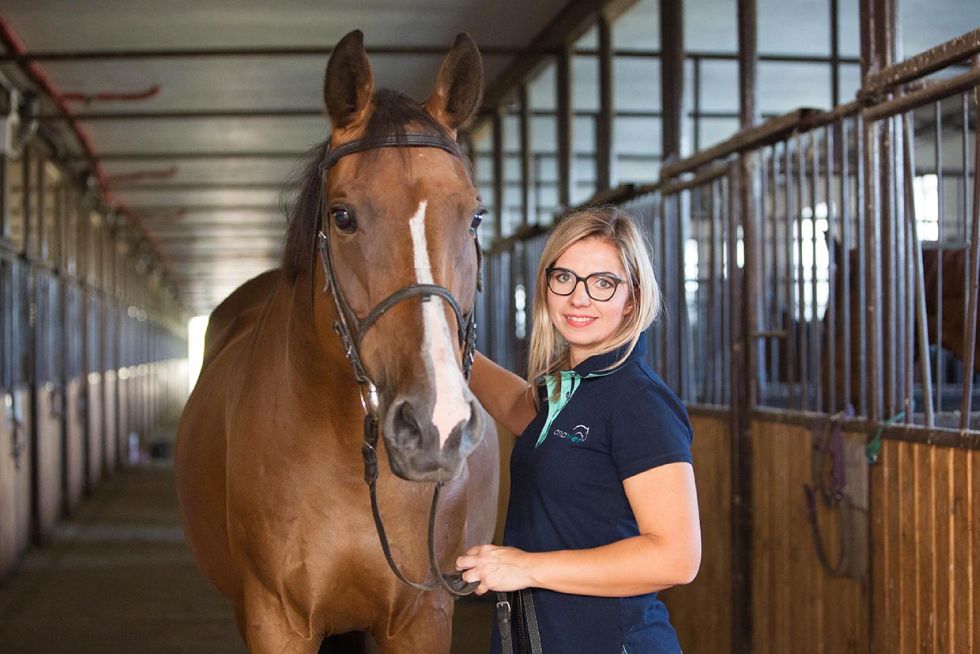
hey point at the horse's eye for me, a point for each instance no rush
(477, 219)
(343, 218)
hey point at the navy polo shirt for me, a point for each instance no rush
(567, 472)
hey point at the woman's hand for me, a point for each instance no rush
(502, 569)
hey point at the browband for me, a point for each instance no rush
(404, 141)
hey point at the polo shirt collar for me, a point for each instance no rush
(599, 362)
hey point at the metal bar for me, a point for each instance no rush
(938, 155)
(830, 312)
(920, 287)
(563, 95)
(928, 61)
(930, 93)
(862, 190)
(812, 324)
(970, 335)
(800, 313)
(938, 436)
(842, 256)
(696, 83)
(835, 58)
(789, 220)
(719, 342)
(672, 77)
(746, 139)
(605, 156)
(526, 157)
(871, 263)
(498, 176)
(701, 178)
(771, 192)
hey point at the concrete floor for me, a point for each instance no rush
(118, 578)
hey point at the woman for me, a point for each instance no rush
(603, 511)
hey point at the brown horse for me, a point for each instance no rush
(268, 456)
(948, 262)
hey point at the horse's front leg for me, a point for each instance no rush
(267, 626)
(428, 630)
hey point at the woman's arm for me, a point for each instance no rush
(666, 553)
(508, 398)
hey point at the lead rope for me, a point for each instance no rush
(528, 625)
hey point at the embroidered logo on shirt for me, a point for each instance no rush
(579, 434)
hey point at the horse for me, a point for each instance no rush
(947, 320)
(303, 360)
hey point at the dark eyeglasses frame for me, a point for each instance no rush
(584, 280)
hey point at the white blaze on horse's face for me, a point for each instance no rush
(452, 405)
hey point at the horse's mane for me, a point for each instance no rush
(393, 112)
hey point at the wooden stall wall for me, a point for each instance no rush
(926, 560)
(797, 606)
(701, 611)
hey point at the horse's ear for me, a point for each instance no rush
(349, 82)
(459, 84)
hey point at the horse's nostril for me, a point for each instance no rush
(406, 425)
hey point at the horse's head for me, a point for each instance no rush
(397, 216)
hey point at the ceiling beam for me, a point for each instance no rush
(563, 30)
(212, 53)
(217, 154)
(207, 186)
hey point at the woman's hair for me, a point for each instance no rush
(549, 351)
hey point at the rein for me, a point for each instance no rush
(370, 402)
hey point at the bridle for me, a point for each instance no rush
(466, 332)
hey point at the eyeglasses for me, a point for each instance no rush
(599, 286)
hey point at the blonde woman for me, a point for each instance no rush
(603, 510)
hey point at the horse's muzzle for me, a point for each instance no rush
(413, 443)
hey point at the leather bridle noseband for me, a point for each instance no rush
(466, 332)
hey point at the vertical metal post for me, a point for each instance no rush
(527, 168)
(878, 51)
(498, 175)
(834, 53)
(672, 76)
(672, 105)
(604, 154)
(745, 345)
(563, 79)
(696, 109)
(970, 333)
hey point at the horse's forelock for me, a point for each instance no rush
(392, 115)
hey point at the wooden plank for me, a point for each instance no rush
(782, 595)
(941, 547)
(907, 571)
(962, 545)
(762, 551)
(925, 530)
(892, 619)
(879, 547)
(804, 563)
(973, 518)
(845, 600)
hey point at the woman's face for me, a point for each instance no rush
(585, 323)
